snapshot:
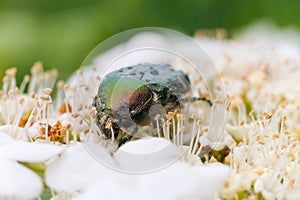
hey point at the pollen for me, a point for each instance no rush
(11, 72)
(47, 91)
(56, 132)
(242, 122)
(64, 108)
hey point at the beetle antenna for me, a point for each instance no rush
(193, 99)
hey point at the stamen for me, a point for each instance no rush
(156, 118)
(197, 139)
(24, 83)
(193, 134)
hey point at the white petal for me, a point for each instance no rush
(75, 169)
(4, 138)
(179, 181)
(110, 190)
(294, 194)
(14, 131)
(216, 145)
(18, 182)
(184, 181)
(31, 152)
(146, 155)
(33, 131)
(238, 132)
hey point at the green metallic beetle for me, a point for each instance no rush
(130, 97)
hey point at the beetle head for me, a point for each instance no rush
(128, 101)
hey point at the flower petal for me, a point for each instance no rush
(184, 181)
(146, 154)
(110, 190)
(14, 131)
(31, 152)
(75, 169)
(4, 138)
(18, 182)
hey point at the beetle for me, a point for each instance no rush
(131, 96)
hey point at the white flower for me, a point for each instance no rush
(76, 170)
(237, 183)
(271, 185)
(17, 181)
(257, 135)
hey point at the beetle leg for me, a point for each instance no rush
(127, 137)
(193, 99)
(124, 139)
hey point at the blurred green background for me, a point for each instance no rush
(60, 33)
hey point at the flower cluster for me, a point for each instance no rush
(55, 142)
(260, 70)
(245, 146)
